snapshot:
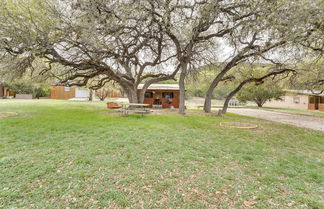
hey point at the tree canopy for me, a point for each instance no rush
(260, 94)
(131, 42)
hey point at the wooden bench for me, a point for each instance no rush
(113, 105)
(134, 108)
(141, 111)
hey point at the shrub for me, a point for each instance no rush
(41, 92)
(260, 94)
(102, 94)
(25, 88)
(21, 88)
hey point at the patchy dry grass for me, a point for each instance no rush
(57, 154)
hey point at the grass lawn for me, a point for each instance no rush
(58, 154)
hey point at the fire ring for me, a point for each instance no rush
(238, 125)
(7, 114)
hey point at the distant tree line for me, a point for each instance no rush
(28, 88)
(92, 43)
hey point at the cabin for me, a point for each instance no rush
(65, 93)
(299, 99)
(5, 92)
(2, 90)
(161, 95)
(76, 93)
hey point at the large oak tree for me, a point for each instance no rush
(95, 42)
(130, 42)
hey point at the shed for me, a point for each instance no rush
(76, 93)
(62, 92)
(5, 92)
(300, 99)
(161, 95)
(2, 90)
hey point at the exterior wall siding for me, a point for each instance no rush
(149, 101)
(2, 88)
(58, 92)
(114, 94)
(82, 93)
(311, 106)
(321, 107)
(5, 92)
(24, 96)
(289, 102)
(157, 94)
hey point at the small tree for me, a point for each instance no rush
(260, 94)
(40, 92)
(21, 88)
(26, 88)
(102, 94)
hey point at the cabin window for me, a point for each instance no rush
(311, 100)
(167, 95)
(322, 100)
(148, 95)
(296, 100)
(67, 88)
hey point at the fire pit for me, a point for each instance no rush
(7, 114)
(238, 125)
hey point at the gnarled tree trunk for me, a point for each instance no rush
(182, 88)
(219, 78)
(249, 80)
(208, 98)
(141, 94)
(209, 93)
(230, 96)
(260, 102)
(132, 95)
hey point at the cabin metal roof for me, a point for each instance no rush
(161, 86)
(306, 92)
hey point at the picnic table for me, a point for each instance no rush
(134, 108)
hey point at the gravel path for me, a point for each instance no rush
(305, 121)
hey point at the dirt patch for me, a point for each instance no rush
(304, 121)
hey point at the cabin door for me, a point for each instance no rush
(2, 89)
(82, 93)
(317, 101)
(167, 99)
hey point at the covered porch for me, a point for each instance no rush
(161, 95)
(316, 102)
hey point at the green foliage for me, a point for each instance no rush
(41, 92)
(200, 91)
(310, 76)
(68, 33)
(198, 83)
(260, 93)
(21, 88)
(28, 88)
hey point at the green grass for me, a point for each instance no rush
(58, 154)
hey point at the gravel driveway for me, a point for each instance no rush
(305, 121)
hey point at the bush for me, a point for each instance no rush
(195, 90)
(102, 94)
(41, 92)
(21, 88)
(260, 94)
(25, 88)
